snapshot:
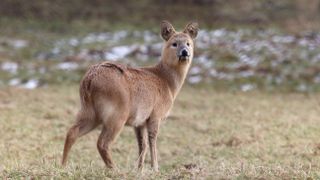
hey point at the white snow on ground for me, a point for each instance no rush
(194, 79)
(220, 54)
(67, 66)
(195, 70)
(247, 87)
(30, 84)
(18, 43)
(14, 82)
(119, 52)
(11, 67)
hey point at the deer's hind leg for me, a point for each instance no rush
(112, 126)
(85, 122)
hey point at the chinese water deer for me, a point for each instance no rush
(115, 95)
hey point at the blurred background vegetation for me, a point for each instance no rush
(38, 35)
(292, 15)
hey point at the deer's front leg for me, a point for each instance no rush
(153, 128)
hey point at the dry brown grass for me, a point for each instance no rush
(210, 134)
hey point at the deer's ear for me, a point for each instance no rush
(192, 29)
(167, 30)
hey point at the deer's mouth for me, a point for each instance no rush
(183, 58)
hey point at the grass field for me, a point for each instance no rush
(210, 134)
(250, 108)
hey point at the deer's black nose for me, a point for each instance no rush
(184, 53)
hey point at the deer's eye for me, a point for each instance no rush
(188, 44)
(174, 44)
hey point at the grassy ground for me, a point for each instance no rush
(210, 134)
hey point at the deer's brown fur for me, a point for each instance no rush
(115, 95)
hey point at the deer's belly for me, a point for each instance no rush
(139, 116)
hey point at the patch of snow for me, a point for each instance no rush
(302, 88)
(156, 46)
(74, 42)
(18, 43)
(247, 87)
(143, 49)
(55, 51)
(194, 79)
(213, 73)
(283, 39)
(67, 66)
(14, 82)
(148, 36)
(31, 84)
(303, 42)
(11, 67)
(219, 33)
(246, 74)
(195, 70)
(206, 62)
(224, 76)
(119, 52)
(117, 36)
(248, 60)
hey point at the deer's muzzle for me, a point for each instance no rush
(183, 54)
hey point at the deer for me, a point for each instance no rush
(115, 95)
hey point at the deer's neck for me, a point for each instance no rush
(173, 76)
